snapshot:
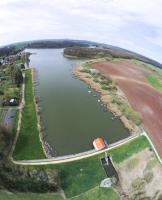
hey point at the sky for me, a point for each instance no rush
(131, 24)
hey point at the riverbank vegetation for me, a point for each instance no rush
(28, 145)
(108, 85)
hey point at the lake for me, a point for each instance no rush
(72, 115)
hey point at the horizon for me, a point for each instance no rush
(134, 26)
(78, 41)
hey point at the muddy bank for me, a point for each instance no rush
(107, 99)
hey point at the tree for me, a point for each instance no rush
(5, 140)
(18, 77)
(5, 133)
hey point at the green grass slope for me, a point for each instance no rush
(28, 145)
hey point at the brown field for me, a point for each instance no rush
(141, 95)
(140, 178)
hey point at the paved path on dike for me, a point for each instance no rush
(73, 157)
(69, 158)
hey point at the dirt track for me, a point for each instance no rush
(143, 97)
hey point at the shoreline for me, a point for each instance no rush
(68, 56)
(47, 149)
(106, 99)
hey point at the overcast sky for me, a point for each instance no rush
(132, 24)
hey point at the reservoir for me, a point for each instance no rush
(72, 114)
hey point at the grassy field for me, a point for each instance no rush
(95, 194)
(155, 81)
(80, 176)
(28, 145)
(127, 150)
(84, 176)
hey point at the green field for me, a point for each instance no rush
(127, 150)
(28, 145)
(155, 81)
(76, 181)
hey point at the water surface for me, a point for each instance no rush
(73, 116)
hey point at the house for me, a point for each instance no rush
(99, 144)
(13, 101)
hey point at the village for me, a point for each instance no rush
(11, 79)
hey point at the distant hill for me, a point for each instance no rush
(105, 51)
(65, 43)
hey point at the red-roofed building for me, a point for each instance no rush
(99, 144)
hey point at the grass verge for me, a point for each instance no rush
(28, 145)
(127, 150)
(5, 195)
(95, 194)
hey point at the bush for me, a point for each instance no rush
(96, 80)
(130, 113)
(85, 70)
(148, 176)
(138, 184)
(105, 82)
(95, 75)
(104, 87)
(102, 77)
(116, 100)
(1, 92)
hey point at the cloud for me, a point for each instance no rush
(131, 24)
